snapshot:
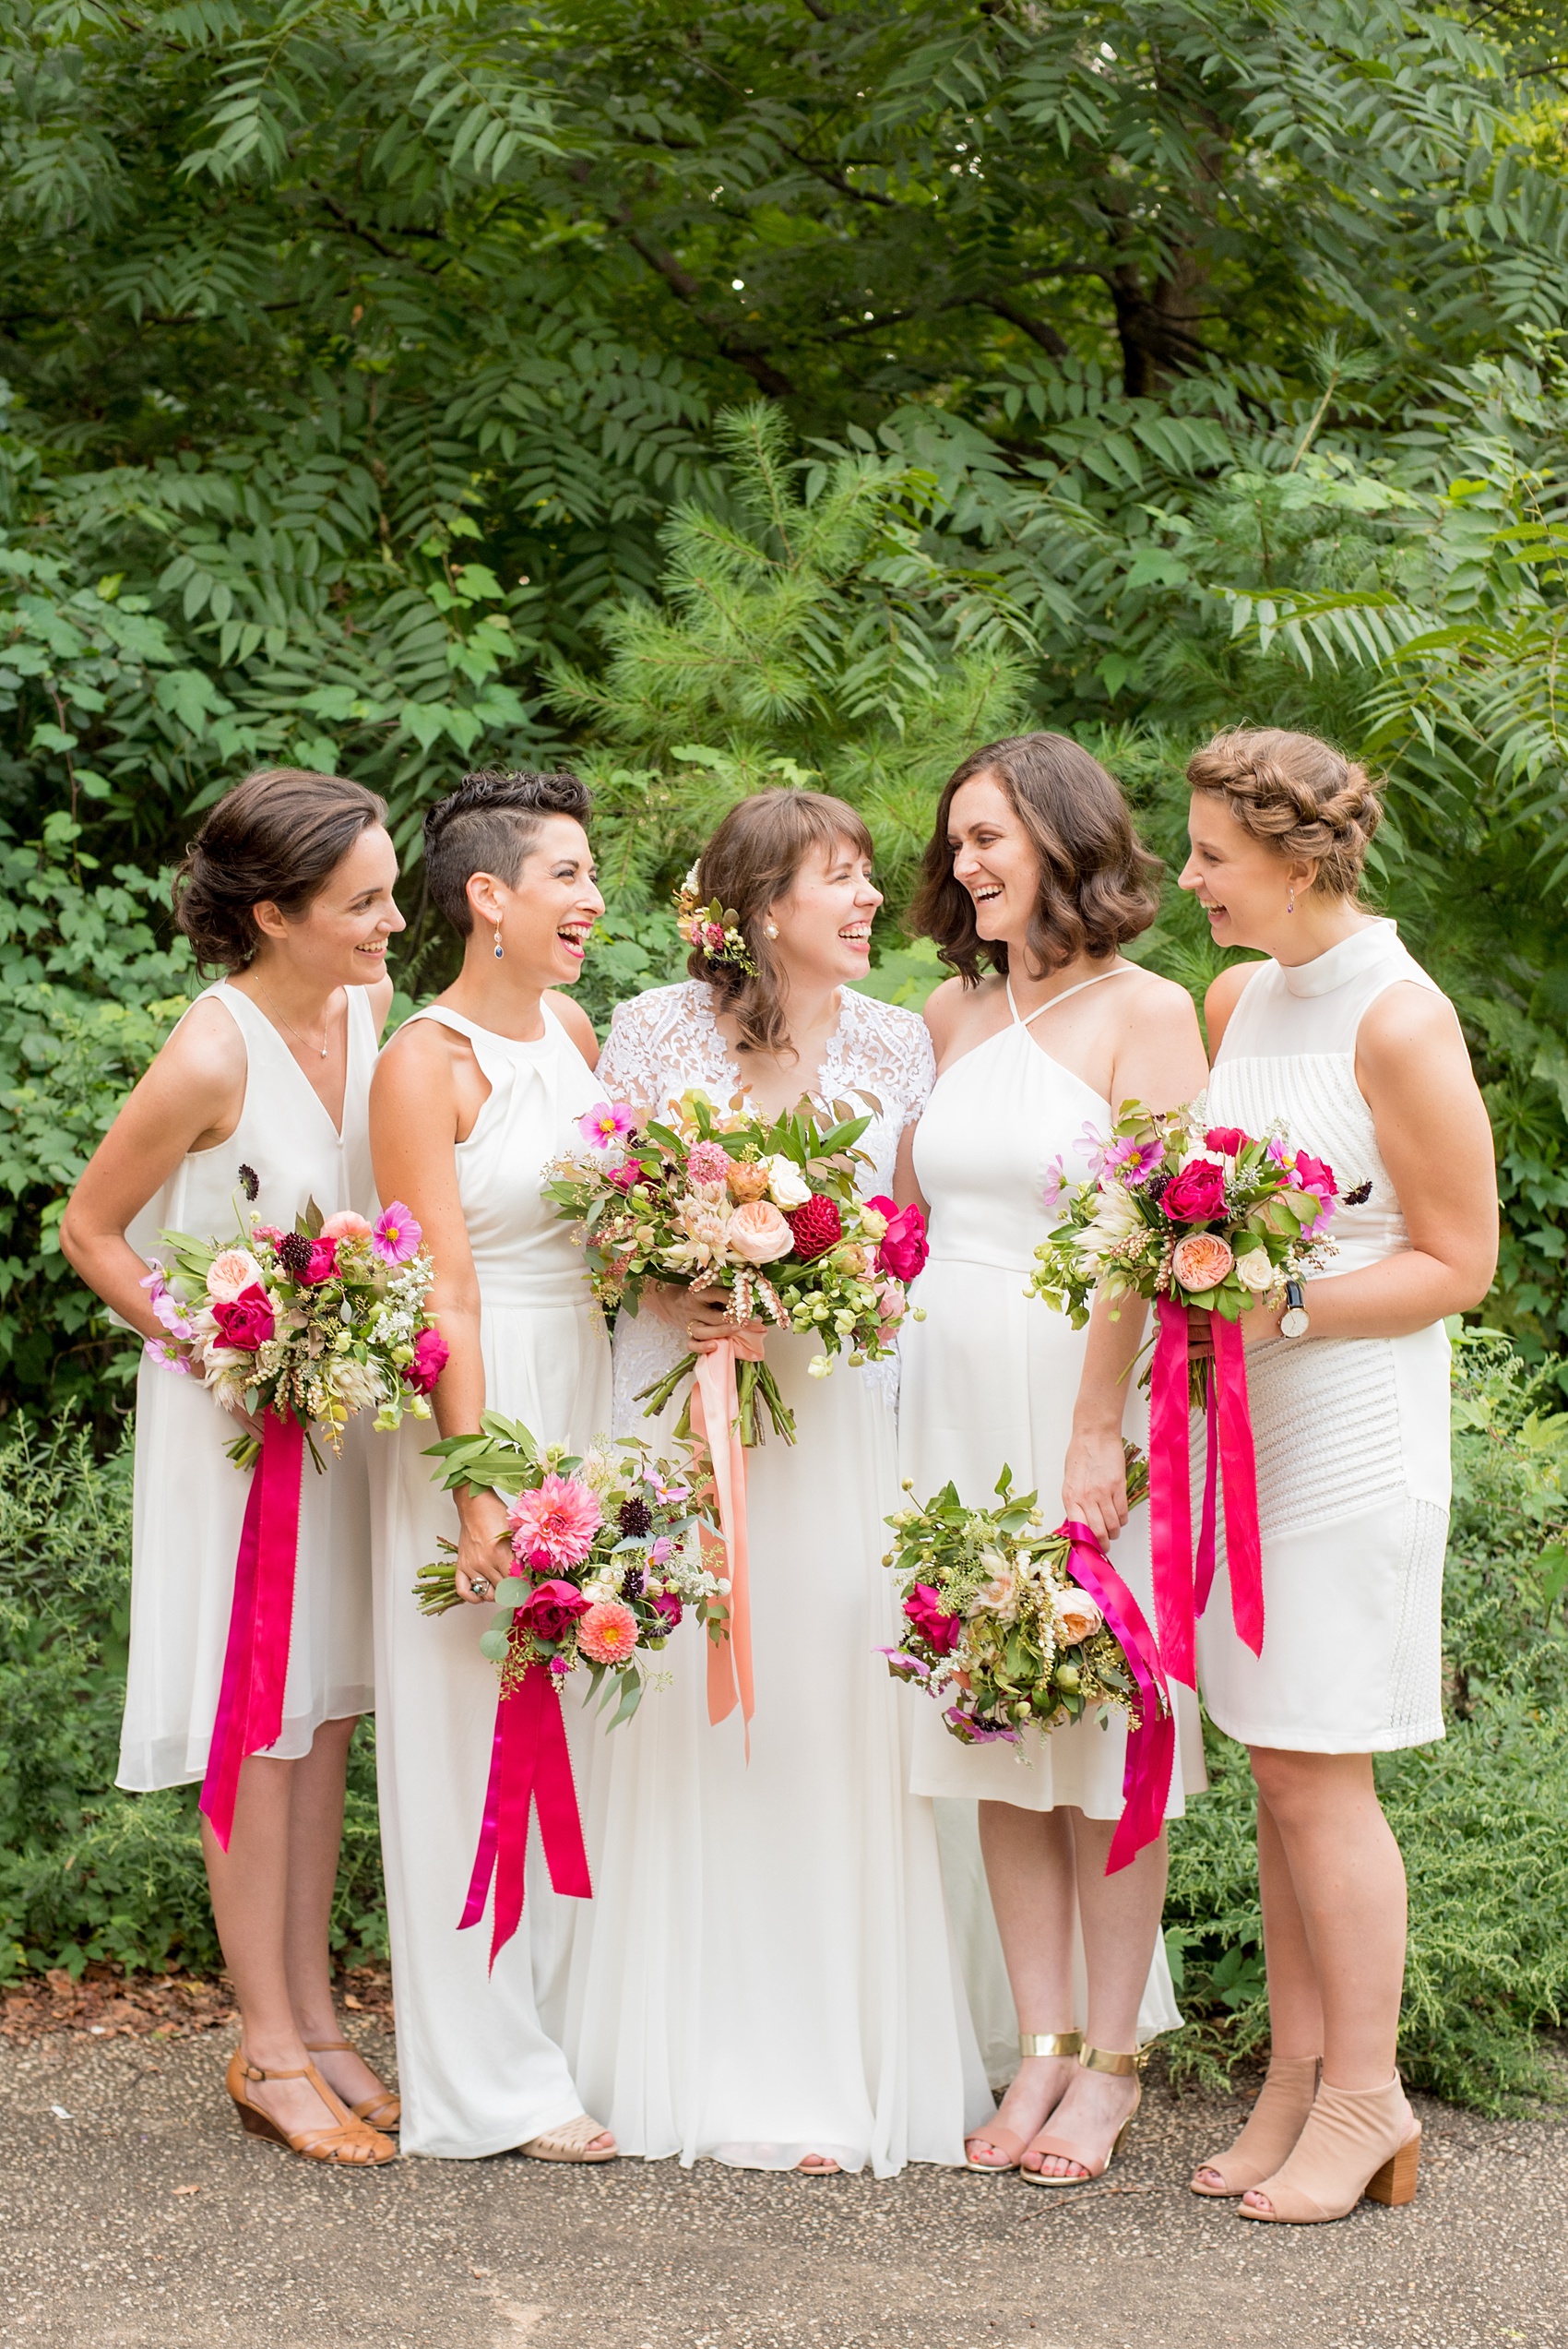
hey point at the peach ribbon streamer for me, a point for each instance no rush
(716, 1421)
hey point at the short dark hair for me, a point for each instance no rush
(488, 825)
(276, 837)
(1097, 881)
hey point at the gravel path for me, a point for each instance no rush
(134, 2213)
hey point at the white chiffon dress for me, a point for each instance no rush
(766, 1971)
(989, 1380)
(1351, 1434)
(478, 2062)
(190, 1501)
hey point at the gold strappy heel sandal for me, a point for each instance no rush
(383, 2111)
(345, 2141)
(1007, 2143)
(1125, 2065)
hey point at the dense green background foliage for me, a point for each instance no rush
(780, 392)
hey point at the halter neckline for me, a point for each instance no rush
(1052, 1001)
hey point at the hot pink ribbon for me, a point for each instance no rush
(716, 1421)
(1151, 1747)
(261, 1615)
(1182, 1586)
(530, 1764)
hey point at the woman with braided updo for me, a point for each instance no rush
(1342, 1040)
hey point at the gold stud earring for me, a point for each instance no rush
(498, 942)
(770, 929)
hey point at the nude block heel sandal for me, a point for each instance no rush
(346, 2141)
(1357, 2140)
(1124, 2064)
(1270, 2131)
(383, 2111)
(1012, 2148)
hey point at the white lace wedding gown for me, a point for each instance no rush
(765, 1970)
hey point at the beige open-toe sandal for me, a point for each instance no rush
(571, 2141)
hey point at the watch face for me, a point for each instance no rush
(1294, 1324)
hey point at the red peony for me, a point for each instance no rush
(432, 1354)
(930, 1618)
(1228, 1138)
(1197, 1194)
(550, 1609)
(247, 1323)
(817, 1226)
(905, 1248)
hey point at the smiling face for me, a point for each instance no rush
(1242, 884)
(824, 917)
(994, 859)
(547, 915)
(340, 938)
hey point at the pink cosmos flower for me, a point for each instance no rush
(604, 1124)
(608, 1633)
(167, 1355)
(1134, 1161)
(168, 1308)
(346, 1226)
(660, 1550)
(432, 1354)
(708, 1163)
(396, 1237)
(1055, 1183)
(671, 1492)
(555, 1525)
(1092, 1146)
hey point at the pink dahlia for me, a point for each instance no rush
(608, 1632)
(554, 1525)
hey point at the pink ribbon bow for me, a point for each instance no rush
(261, 1615)
(1151, 1747)
(530, 1764)
(1181, 1586)
(716, 1421)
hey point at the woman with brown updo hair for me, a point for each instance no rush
(1034, 879)
(261, 1093)
(1341, 1042)
(764, 1975)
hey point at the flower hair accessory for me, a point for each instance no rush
(712, 931)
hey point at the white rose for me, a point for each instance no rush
(1254, 1272)
(786, 1187)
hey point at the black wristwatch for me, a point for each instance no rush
(1295, 1321)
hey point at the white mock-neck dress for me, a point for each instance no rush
(479, 2064)
(190, 1499)
(990, 1380)
(766, 1970)
(1351, 1434)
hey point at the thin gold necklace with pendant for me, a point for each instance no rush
(326, 1030)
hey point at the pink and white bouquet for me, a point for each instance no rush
(1207, 1216)
(314, 1324)
(606, 1556)
(764, 1211)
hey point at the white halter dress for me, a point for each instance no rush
(480, 2069)
(190, 1499)
(1351, 1433)
(989, 1379)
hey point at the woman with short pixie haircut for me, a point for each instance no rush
(765, 1975)
(1340, 1038)
(474, 1097)
(1033, 879)
(262, 1089)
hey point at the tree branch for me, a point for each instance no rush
(686, 288)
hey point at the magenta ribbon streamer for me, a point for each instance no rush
(1182, 1583)
(1170, 1498)
(530, 1765)
(1151, 1747)
(261, 1615)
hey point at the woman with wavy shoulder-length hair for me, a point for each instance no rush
(764, 1975)
(1033, 881)
(263, 1088)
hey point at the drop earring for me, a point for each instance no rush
(770, 929)
(498, 942)
(1289, 907)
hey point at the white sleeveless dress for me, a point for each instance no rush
(766, 1970)
(479, 2066)
(190, 1501)
(989, 1379)
(1351, 1433)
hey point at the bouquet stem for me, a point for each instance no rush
(753, 1380)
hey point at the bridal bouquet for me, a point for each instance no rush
(301, 1330)
(1008, 1626)
(765, 1210)
(313, 1324)
(605, 1550)
(607, 1559)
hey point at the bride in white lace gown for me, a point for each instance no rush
(765, 1974)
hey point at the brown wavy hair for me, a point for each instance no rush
(749, 864)
(1097, 880)
(1299, 796)
(276, 837)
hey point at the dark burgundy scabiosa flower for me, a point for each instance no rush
(249, 1182)
(635, 1519)
(817, 1226)
(294, 1252)
(632, 1583)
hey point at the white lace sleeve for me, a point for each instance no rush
(628, 1068)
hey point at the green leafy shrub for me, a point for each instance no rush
(1481, 1818)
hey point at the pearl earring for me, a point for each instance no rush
(1289, 907)
(498, 942)
(770, 929)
